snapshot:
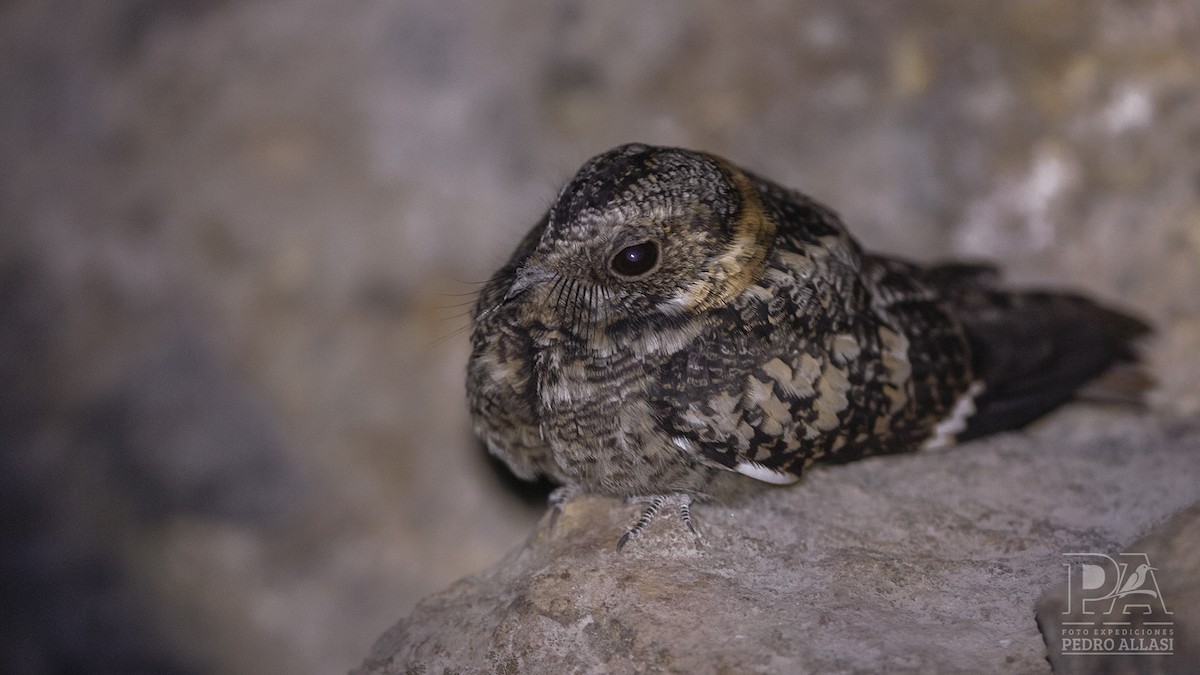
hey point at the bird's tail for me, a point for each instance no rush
(1036, 350)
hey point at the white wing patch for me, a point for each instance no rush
(684, 444)
(945, 431)
(765, 474)
(745, 467)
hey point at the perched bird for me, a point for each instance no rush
(675, 326)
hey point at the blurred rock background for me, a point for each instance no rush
(238, 236)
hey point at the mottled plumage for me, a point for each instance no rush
(675, 324)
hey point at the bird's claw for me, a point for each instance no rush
(654, 505)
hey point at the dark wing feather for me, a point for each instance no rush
(1033, 350)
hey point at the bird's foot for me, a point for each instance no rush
(655, 504)
(558, 501)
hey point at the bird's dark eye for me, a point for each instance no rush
(636, 260)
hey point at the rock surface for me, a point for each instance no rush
(1172, 613)
(921, 563)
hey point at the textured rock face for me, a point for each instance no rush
(1158, 633)
(921, 563)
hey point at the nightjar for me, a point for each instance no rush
(675, 326)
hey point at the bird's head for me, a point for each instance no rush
(640, 234)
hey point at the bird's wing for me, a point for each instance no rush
(828, 371)
(1034, 350)
(777, 383)
(717, 403)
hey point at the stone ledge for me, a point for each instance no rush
(929, 562)
(1174, 550)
